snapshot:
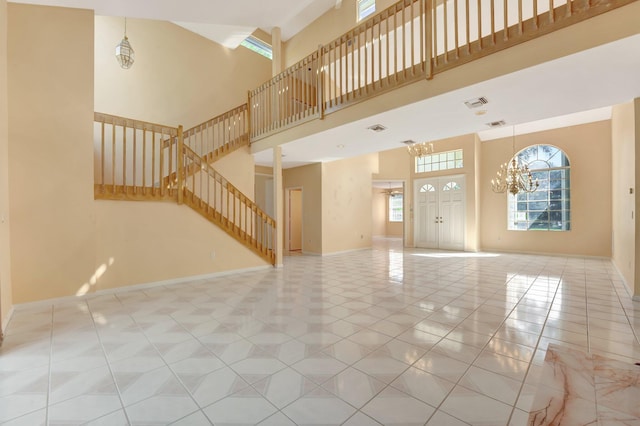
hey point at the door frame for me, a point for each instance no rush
(287, 215)
(418, 183)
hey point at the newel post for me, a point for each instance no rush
(180, 165)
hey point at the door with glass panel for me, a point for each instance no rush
(439, 213)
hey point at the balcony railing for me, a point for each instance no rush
(407, 42)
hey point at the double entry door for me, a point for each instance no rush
(440, 217)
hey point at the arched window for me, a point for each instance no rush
(549, 207)
(451, 186)
(427, 188)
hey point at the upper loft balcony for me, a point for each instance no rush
(413, 66)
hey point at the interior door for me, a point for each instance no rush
(439, 207)
(426, 197)
(451, 223)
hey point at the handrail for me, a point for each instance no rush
(209, 193)
(133, 158)
(219, 135)
(408, 41)
(292, 97)
(136, 160)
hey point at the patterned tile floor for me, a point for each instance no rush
(381, 336)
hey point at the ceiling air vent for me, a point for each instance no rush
(496, 123)
(408, 142)
(377, 128)
(476, 102)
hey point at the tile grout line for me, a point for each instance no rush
(558, 285)
(46, 418)
(106, 358)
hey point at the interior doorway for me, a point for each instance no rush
(293, 226)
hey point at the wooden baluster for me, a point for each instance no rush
(135, 148)
(153, 162)
(113, 156)
(479, 24)
(467, 28)
(161, 165)
(506, 19)
(520, 17)
(434, 4)
(535, 13)
(552, 17)
(493, 22)
(144, 161)
(429, 37)
(124, 158)
(180, 165)
(455, 28)
(102, 161)
(446, 31)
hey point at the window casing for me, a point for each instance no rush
(395, 207)
(366, 8)
(440, 161)
(549, 207)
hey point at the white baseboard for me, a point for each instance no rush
(135, 287)
(334, 253)
(626, 284)
(6, 323)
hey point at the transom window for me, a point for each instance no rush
(366, 8)
(428, 188)
(439, 161)
(549, 207)
(395, 207)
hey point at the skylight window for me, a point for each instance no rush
(366, 8)
(258, 46)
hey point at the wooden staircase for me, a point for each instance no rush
(140, 161)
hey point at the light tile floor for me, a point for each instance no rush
(381, 336)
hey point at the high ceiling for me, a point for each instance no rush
(571, 90)
(227, 22)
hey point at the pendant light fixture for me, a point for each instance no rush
(514, 177)
(124, 52)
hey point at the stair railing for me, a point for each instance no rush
(211, 195)
(133, 158)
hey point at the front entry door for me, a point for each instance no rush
(439, 219)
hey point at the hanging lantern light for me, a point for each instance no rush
(124, 52)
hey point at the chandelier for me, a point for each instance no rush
(514, 177)
(124, 52)
(420, 149)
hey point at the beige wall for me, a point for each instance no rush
(346, 203)
(378, 213)
(623, 178)
(468, 145)
(5, 256)
(325, 29)
(178, 77)
(589, 150)
(309, 178)
(50, 152)
(141, 242)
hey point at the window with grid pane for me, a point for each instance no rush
(549, 207)
(395, 208)
(366, 8)
(439, 161)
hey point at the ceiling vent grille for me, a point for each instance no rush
(496, 123)
(476, 102)
(377, 128)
